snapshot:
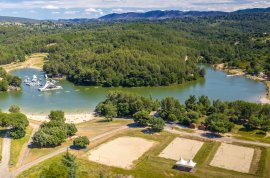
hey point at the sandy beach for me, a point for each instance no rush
(70, 118)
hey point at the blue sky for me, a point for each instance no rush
(55, 9)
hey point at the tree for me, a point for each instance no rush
(157, 124)
(3, 85)
(18, 120)
(191, 103)
(17, 133)
(142, 118)
(54, 132)
(81, 142)
(55, 170)
(14, 109)
(218, 123)
(57, 115)
(69, 161)
(16, 81)
(109, 111)
(71, 129)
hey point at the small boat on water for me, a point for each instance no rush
(50, 85)
(230, 75)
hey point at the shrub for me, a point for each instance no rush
(81, 142)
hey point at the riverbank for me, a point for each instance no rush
(240, 72)
(70, 118)
(35, 61)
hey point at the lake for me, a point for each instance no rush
(73, 99)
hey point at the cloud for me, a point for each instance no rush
(71, 12)
(135, 4)
(94, 11)
(119, 10)
(50, 7)
(55, 12)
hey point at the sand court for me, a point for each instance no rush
(121, 152)
(181, 147)
(232, 157)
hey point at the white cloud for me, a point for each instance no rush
(226, 5)
(118, 10)
(55, 12)
(50, 7)
(94, 11)
(71, 12)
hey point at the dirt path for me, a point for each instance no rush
(25, 149)
(35, 60)
(207, 135)
(62, 150)
(4, 165)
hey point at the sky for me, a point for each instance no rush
(64, 9)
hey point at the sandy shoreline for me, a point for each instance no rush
(240, 72)
(70, 118)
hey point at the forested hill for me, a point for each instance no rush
(17, 20)
(161, 15)
(172, 14)
(143, 52)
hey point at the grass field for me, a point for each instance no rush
(252, 135)
(35, 60)
(17, 145)
(89, 129)
(151, 165)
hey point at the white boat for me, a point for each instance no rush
(50, 86)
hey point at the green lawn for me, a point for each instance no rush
(252, 135)
(150, 164)
(16, 147)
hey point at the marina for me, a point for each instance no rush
(43, 84)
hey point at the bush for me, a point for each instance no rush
(57, 115)
(142, 118)
(81, 142)
(17, 133)
(14, 109)
(71, 129)
(157, 124)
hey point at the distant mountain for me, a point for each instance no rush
(74, 21)
(17, 19)
(151, 15)
(255, 10)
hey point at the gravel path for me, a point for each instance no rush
(4, 165)
(209, 136)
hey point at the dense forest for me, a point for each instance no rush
(143, 53)
(219, 117)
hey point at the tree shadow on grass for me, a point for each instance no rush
(211, 135)
(148, 131)
(3, 133)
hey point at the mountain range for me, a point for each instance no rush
(151, 15)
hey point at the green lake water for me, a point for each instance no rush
(73, 99)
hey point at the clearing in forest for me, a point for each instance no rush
(36, 61)
(121, 152)
(181, 147)
(233, 157)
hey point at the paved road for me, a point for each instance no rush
(43, 158)
(4, 165)
(209, 136)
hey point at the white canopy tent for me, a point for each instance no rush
(184, 165)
